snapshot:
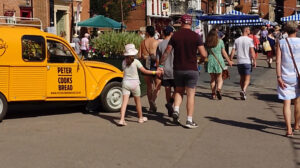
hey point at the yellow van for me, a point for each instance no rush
(39, 66)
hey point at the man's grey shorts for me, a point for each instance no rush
(244, 69)
(186, 78)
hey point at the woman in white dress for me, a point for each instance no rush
(288, 85)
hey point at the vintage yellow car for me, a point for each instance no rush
(39, 66)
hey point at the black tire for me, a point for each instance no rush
(3, 107)
(111, 97)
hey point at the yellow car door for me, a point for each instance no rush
(65, 75)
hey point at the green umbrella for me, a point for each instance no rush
(101, 21)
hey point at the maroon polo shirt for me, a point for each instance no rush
(185, 43)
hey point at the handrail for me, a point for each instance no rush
(20, 21)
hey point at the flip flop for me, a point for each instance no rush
(122, 123)
(289, 135)
(142, 120)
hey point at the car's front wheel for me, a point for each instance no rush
(111, 97)
(3, 107)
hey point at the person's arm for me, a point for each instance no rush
(278, 67)
(253, 56)
(148, 72)
(224, 53)
(202, 51)
(232, 54)
(165, 55)
(140, 50)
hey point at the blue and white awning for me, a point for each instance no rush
(291, 18)
(236, 21)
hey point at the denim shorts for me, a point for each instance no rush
(186, 78)
(244, 69)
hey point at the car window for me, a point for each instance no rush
(33, 48)
(58, 53)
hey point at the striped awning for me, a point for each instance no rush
(237, 21)
(291, 18)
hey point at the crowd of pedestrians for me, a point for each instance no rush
(172, 63)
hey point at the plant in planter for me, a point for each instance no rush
(111, 44)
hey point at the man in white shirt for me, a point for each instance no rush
(244, 48)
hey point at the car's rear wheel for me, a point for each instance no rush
(3, 107)
(111, 97)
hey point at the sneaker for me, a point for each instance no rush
(243, 95)
(190, 124)
(170, 109)
(176, 116)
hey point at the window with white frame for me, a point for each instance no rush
(298, 2)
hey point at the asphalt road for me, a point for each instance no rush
(232, 133)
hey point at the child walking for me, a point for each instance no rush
(131, 82)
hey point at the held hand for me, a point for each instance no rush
(230, 63)
(281, 83)
(254, 63)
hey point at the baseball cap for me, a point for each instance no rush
(186, 19)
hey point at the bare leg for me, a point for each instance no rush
(178, 96)
(190, 101)
(287, 115)
(156, 89)
(219, 81)
(168, 93)
(148, 80)
(123, 107)
(213, 83)
(137, 100)
(297, 113)
(246, 82)
(242, 81)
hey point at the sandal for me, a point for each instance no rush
(289, 135)
(122, 123)
(219, 94)
(142, 120)
(213, 96)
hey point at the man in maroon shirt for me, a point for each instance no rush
(185, 43)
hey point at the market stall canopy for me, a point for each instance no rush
(295, 17)
(232, 17)
(101, 21)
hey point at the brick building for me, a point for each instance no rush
(291, 7)
(53, 13)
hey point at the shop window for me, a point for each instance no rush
(33, 48)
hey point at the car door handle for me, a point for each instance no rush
(48, 67)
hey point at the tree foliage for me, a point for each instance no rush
(111, 8)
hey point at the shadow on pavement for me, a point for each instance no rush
(257, 127)
(267, 97)
(131, 116)
(37, 109)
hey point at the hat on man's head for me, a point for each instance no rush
(186, 19)
(75, 35)
(130, 50)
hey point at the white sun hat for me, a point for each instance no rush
(130, 50)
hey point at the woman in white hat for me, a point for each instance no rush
(131, 82)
